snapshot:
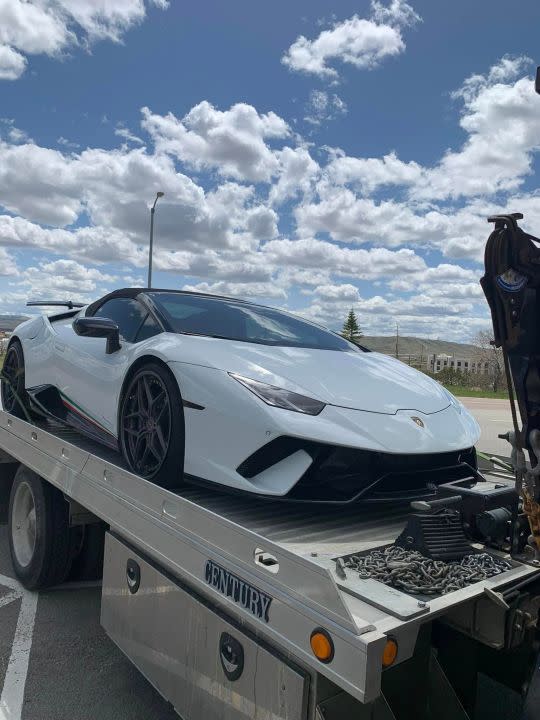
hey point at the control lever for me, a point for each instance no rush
(429, 505)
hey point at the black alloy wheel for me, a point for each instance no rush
(146, 423)
(14, 397)
(152, 426)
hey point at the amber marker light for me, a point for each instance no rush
(322, 645)
(389, 653)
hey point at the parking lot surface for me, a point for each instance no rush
(56, 662)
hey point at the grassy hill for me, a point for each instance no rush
(10, 322)
(415, 346)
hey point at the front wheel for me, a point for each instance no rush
(151, 426)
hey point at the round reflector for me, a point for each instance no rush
(389, 653)
(322, 645)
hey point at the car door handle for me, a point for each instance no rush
(59, 346)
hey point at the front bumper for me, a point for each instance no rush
(234, 425)
(343, 475)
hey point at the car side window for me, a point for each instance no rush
(128, 314)
(148, 329)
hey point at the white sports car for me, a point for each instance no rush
(210, 389)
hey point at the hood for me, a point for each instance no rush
(359, 380)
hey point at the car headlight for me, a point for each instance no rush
(278, 397)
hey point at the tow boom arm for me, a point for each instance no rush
(511, 284)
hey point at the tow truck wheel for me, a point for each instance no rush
(40, 541)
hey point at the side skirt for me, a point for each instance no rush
(57, 406)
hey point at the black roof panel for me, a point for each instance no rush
(135, 292)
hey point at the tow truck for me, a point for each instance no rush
(238, 607)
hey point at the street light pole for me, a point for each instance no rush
(151, 248)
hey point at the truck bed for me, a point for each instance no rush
(284, 550)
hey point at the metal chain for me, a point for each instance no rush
(410, 571)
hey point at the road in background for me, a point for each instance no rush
(494, 417)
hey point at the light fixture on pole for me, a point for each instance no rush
(151, 248)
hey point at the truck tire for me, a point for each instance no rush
(40, 541)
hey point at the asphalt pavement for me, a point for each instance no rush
(495, 418)
(57, 663)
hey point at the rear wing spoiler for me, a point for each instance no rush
(54, 303)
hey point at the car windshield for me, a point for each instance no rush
(233, 320)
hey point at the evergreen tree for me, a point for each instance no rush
(351, 330)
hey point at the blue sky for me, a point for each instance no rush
(314, 156)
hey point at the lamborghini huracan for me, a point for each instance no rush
(200, 388)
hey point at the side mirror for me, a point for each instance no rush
(537, 83)
(99, 327)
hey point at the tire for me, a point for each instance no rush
(15, 399)
(40, 541)
(151, 426)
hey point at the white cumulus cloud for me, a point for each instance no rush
(251, 209)
(7, 263)
(50, 27)
(231, 141)
(323, 106)
(502, 119)
(360, 42)
(12, 63)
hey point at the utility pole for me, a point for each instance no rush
(151, 248)
(423, 348)
(397, 341)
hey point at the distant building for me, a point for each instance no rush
(434, 363)
(429, 355)
(464, 364)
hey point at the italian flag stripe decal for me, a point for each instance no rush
(79, 411)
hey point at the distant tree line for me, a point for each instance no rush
(452, 377)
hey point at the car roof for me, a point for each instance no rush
(135, 292)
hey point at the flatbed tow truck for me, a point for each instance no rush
(237, 607)
(215, 598)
